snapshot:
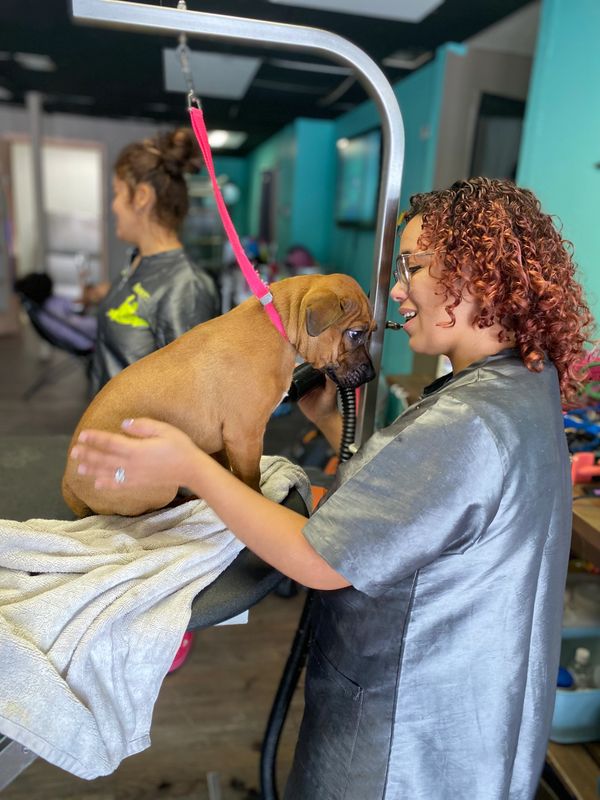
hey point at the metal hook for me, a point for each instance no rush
(183, 52)
(193, 100)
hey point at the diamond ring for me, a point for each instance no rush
(119, 475)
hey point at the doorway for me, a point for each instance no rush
(73, 205)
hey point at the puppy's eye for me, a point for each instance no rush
(356, 337)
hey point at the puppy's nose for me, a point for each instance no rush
(369, 371)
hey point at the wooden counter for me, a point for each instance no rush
(578, 765)
(586, 528)
(578, 768)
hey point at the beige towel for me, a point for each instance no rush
(92, 613)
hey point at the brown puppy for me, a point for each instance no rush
(221, 381)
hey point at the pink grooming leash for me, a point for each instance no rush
(256, 284)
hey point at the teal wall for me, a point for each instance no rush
(278, 154)
(314, 187)
(420, 97)
(561, 138)
(304, 156)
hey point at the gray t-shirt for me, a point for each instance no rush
(433, 676)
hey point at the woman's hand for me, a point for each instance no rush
(152, 450)
(320, 407)
(320, 403)
(94, 293)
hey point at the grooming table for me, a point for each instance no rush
(31, 468)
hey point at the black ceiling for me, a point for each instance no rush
(122, 70)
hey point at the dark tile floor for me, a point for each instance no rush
(57, 406)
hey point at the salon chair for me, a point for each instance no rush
(60, 340)
(37, 463)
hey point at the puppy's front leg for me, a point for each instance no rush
(244, 458)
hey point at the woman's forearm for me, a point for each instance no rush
(270, 530)
(331, 428)
(155, 451)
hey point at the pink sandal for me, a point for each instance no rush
(183, 652)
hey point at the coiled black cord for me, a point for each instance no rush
(348, 400)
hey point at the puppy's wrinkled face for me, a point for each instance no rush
(339, 323)
(354, 366)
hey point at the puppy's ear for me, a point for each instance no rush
(323, 308)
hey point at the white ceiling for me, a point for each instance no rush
(516, 33)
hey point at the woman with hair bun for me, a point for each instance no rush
(160, 293)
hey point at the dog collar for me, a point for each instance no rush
(257, 286)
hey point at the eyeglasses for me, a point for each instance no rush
(409, 263)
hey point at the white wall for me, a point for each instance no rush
(561, 139)
(73, 180)
(111, 135)
(469, 72)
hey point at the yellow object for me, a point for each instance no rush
(126, 313)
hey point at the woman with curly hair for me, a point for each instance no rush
(445, 539)
(491, 241)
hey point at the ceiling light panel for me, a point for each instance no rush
(399, 10)
(230, 139)
(407, 59)
(214, 75)
(37, 62)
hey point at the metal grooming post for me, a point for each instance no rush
(330, 46)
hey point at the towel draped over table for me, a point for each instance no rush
(92, 613)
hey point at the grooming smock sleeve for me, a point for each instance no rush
(184, 303)
(427, 486)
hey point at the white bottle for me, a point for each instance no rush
(581, 669)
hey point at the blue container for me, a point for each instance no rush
(577, 711)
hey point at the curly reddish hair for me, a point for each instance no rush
(501, 248)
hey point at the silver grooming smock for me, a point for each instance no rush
(433, 676)
(147, 308)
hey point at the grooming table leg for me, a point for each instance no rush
(14, 758)
(283, 698)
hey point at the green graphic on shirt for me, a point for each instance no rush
(126, 313)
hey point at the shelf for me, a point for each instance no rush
(578, 768)
(586, 528)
